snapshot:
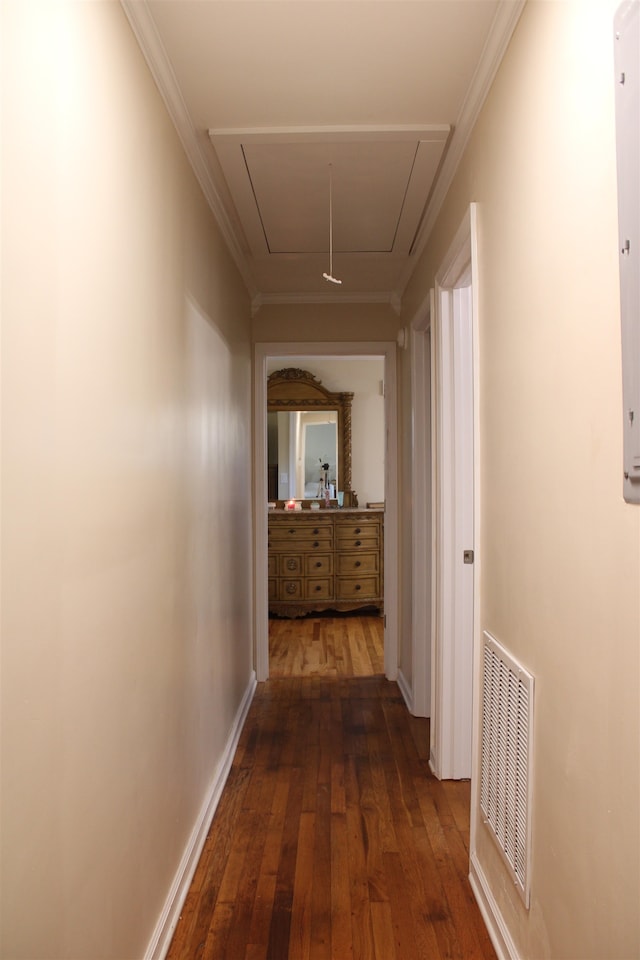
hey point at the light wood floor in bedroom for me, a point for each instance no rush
(350, 646)
(332, 839)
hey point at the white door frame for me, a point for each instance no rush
(456, 593)
(423, 526)
(262, 352)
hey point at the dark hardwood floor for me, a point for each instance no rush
(331, 838)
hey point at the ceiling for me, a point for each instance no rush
(324, 133)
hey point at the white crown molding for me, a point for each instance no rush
(504, 23)
(146, 33)
(349, 133)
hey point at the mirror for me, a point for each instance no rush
(309, 437)
(303, 450)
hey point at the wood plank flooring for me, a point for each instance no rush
(332, 839)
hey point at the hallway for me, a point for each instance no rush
(138, 315)
(332, 839)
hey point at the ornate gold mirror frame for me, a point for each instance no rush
(295, 389)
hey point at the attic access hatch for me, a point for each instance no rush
(381, 181)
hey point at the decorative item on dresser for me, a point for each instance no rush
(325, 560)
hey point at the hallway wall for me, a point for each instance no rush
(559, 548)
(126, 485)
(315, 322)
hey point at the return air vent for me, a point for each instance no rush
(506, 752)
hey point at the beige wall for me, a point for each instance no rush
(324, 321)
(126, 594)
(559, 550)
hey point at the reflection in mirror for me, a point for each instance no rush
(308, 437)
(302, 447)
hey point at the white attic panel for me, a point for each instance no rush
(279, 182)
(291, 187)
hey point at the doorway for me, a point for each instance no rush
(267, 358)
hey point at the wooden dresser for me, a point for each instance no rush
(325, 560)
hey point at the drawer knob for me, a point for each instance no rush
(358, 587)
(358, 564)
(358, 543)
(315, 543)
(358, 530)
(319, 563)
(292, 532)
(318, 587)
(316, 532)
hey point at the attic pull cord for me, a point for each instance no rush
(329, 276)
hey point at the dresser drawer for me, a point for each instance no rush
(355, 588)
(322, 529)
(317, 545)
(359, 527)
(319, 588)
(319, 565)
(273, 565)
(358, 564)
(358, 543)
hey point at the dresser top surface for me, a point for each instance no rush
(323, 511)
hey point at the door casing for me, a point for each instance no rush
(456, 459)
(262, 352)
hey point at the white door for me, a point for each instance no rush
(452, 656)
(418, 697)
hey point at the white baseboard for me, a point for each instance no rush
(163, 933)
(405, 690)
(494, 921)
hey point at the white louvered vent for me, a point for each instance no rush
(505, 764)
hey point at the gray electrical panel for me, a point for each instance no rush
(627, 86)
